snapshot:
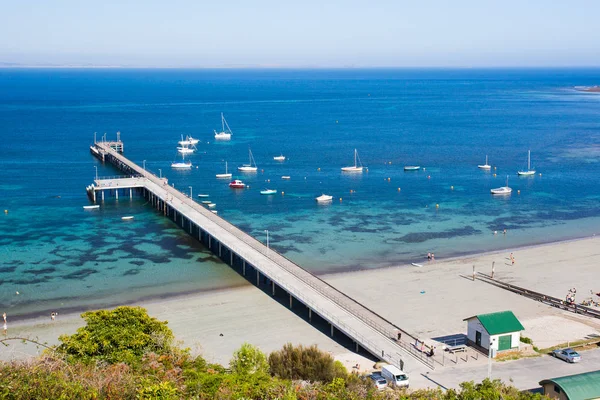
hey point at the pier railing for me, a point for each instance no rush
(369, 317)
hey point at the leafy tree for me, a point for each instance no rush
(248, 359)
(306, 363)
(120, 335)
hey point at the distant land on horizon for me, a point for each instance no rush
(16, 65)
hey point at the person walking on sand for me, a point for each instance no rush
(4, 316)
(5, 328)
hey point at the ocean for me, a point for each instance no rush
(59, 257)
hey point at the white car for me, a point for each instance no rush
(379, 381)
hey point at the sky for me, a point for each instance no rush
(301, 33)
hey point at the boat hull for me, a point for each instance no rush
(268, 192)
(223, 176)
(501, 191)
(222, 136)
(324, 199)
(486, 167)
(526, 173)
(412, 168)
(352, 169)
(247, 169)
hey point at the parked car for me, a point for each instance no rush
(568, 355)
(379, 381)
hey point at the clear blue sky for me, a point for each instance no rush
(286, 33)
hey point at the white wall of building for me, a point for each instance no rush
(473, 325)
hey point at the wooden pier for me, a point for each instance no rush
(366, 328)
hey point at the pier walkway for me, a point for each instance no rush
(366, 328)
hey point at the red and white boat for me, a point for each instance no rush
(237, 184)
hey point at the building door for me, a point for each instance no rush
(478, 338)
(504, 342)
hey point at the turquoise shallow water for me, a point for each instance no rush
(58, 256)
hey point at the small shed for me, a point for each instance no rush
(498, 331)
(573, 387)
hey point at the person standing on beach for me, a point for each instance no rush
(4, 316)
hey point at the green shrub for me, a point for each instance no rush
(120, 335)
(248, 359)
(525, 339)
(305, 363)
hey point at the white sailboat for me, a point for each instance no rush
(279, 158)
(486, 165)
(251, 166)
(529, 170)
(224, 134)
(357, 164)
(226, 175)
(188, 141)
(185, 149)
(503, 189)
(181, 164)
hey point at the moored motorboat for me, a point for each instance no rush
(412, 167)
(127, 218)
(94, 207)
(211, 205)
(206, 202)
(286, 177)
(324, 198)
(185, 150)
(237, 184)
(203, 195)
(268, 191)
(279, 158)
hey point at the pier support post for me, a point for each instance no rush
(94, 194)
(190, 226)
(130, 193)
(219, 249)
(310, 315)
(331, 325)
(209, 240)
(291, 298)
(231, 258)
(243, 267)
(272, 288)
(117, 194)
(357, 348)
(102, 191)
(257, 278)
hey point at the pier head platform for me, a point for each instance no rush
(257, 262)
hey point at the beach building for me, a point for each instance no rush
(495, 332)
(584, 386)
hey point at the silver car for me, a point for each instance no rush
(379, 381)
(568, 355)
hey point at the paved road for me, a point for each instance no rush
(523, 374)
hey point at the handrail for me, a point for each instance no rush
(342, 300)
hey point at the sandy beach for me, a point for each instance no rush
(430, 302)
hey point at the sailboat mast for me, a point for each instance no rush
(222, 123)
(355, 153)
(529, 160)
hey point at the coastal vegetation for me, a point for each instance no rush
(126, 354)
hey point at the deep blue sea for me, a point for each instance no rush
(58, 256)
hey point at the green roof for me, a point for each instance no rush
(499, 322)
(578, 387)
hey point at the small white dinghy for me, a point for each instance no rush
(127, 218)
(94, 207)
